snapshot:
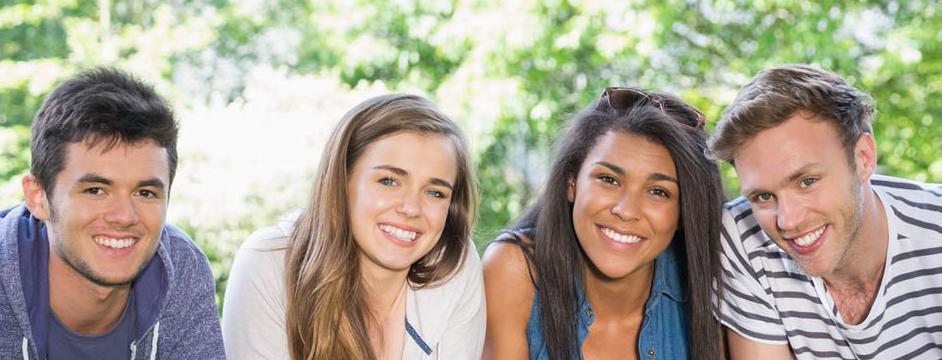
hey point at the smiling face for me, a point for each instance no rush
(626, 204)
(804, 192)
(399, 193)
(106, 213)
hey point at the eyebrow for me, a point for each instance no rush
(98, 179)
(402, 172)
(792, 177)
(621, 172)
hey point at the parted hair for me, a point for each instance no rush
(326, 313)
(557, 256)
(776, 94)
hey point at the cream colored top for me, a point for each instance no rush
(449, 318)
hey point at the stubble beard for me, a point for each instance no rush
(80, 265)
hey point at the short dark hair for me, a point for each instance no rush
(776, 94)
(99, 106)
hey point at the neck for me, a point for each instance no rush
(862, 266)
(384, 288)
(82, 306)
(619, 298)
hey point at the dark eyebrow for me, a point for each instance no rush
(98, 179)
(403, 172)
(615, 168)
(661, 177)
(155, 182)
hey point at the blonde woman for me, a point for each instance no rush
(379, 264)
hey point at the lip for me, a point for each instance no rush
(397, 241)
(116, 252)
(806, 250)
(619, 245)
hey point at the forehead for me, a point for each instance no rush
(124, 161)
(431, 155)
(632, 152)
(774, 154)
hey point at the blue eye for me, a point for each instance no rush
(763, 197)
(388, 181)
(807, 182)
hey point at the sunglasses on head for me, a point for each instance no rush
(622, 99)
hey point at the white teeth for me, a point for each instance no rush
(809, 238)
(398, 233)
(622, 238)
(114, 243)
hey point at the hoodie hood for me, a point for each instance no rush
(24, 275)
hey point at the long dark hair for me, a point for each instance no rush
(558, 258)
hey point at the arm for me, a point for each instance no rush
(254, 308)
(188, 321)
(742, 348)
(509, 293)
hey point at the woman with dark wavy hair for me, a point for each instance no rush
(617, 257)
(379, 264)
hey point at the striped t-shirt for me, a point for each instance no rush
(767, 298)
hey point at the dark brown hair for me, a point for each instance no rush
(101, 105)
(776, 94)
(558, 257)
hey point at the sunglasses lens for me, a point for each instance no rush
(622, 98)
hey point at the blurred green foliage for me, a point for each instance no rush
(510, 72)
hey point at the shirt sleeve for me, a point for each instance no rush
(746, 305)
(463, 337)
(253, 317)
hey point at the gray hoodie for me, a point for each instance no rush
(174, 296)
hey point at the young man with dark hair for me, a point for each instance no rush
(88, 268)
(823, 259)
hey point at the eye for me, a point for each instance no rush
(660, 193)
(147, 194)
(763, 197)
(388, 181)
(94, 191)
(437, 193)
(607, 179)
(807, 182)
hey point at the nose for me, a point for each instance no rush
(122, 212)
(410, 204)
(789, 214)
(625, 209)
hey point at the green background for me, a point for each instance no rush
(257, 85)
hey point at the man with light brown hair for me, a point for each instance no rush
(823, 258)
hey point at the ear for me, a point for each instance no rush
(865, 156)
(571, 189)
(36, 199)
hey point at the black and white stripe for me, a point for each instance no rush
(768, 299)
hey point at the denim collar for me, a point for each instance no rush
(667, 283)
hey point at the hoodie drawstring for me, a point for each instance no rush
(25, 349)
(153, 343)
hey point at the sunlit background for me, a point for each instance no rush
(258, 85)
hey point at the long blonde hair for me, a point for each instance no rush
(326, 313)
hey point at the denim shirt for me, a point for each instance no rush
(663, 330)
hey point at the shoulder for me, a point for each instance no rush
(509, 276)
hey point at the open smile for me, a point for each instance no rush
(619, 237)
(809, 241)
(401, 236)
